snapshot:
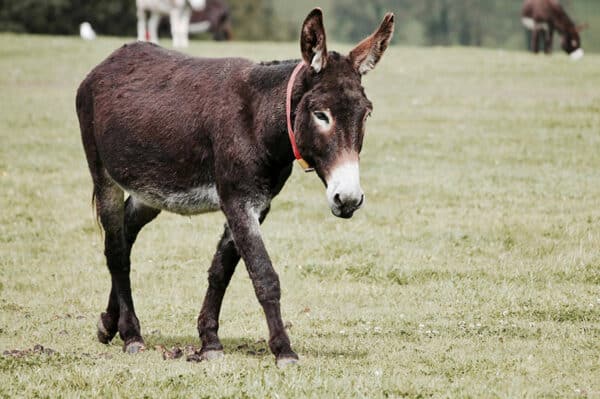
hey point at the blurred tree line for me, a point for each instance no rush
(252, 19)
(64, 16)
(491, 23)
(435, 22)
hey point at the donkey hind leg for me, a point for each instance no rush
(120, 313)
(137, 215)
(219, 275)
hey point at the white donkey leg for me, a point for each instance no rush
(185, 26)
(141, 24)
(177, 17)
(174, 22)
(153, 26)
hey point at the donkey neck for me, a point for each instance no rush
(562, 21)
(268, 81)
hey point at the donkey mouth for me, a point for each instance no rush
(345, 211)
(342, 213)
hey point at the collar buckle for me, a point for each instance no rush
(307, 168)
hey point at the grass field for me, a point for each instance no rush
(472, 271)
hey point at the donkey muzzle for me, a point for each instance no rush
(344, 193)
(344, 208)
(577, 54)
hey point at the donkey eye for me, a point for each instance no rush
(322, 116)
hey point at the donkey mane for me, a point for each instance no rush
(278, 62)
(333, 54)
(564, 22)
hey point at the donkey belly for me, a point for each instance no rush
(532, 24)
(169, 172)
(200, 199)
(183, 185)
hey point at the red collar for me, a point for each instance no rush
(288, 113)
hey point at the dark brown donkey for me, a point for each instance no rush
(543, 17)
(194, 135)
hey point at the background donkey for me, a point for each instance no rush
(541, 17)
(191, 135)
(214, 18)
(179, 12)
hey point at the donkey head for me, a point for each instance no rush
(571, 42)
(330, 118)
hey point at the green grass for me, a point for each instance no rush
(472, 271)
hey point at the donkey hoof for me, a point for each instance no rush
(134, 347)
(104, 334)
(285, 361)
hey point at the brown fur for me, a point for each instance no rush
(550, 12)
(191, 135)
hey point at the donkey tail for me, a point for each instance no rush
(84, 105)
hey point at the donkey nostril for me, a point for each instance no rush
(337, 200)
(362, 199)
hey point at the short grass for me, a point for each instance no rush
(472, 271)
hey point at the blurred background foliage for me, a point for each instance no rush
(490, 23)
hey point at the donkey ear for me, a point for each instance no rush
(312, 40)
(367, 53)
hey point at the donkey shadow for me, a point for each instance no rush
(248, 347)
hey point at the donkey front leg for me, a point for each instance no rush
(141, 24)
(153, 26)
(535, 44)
(223, 265)
(243, 220)
(180, 21)
(219, 275)
(549, 36)
(185, 27)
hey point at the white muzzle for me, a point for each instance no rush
(344, 193)
(577, 54)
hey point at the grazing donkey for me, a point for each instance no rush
(194, 135)
(179, 12)
(214, 18)
(543, 17)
